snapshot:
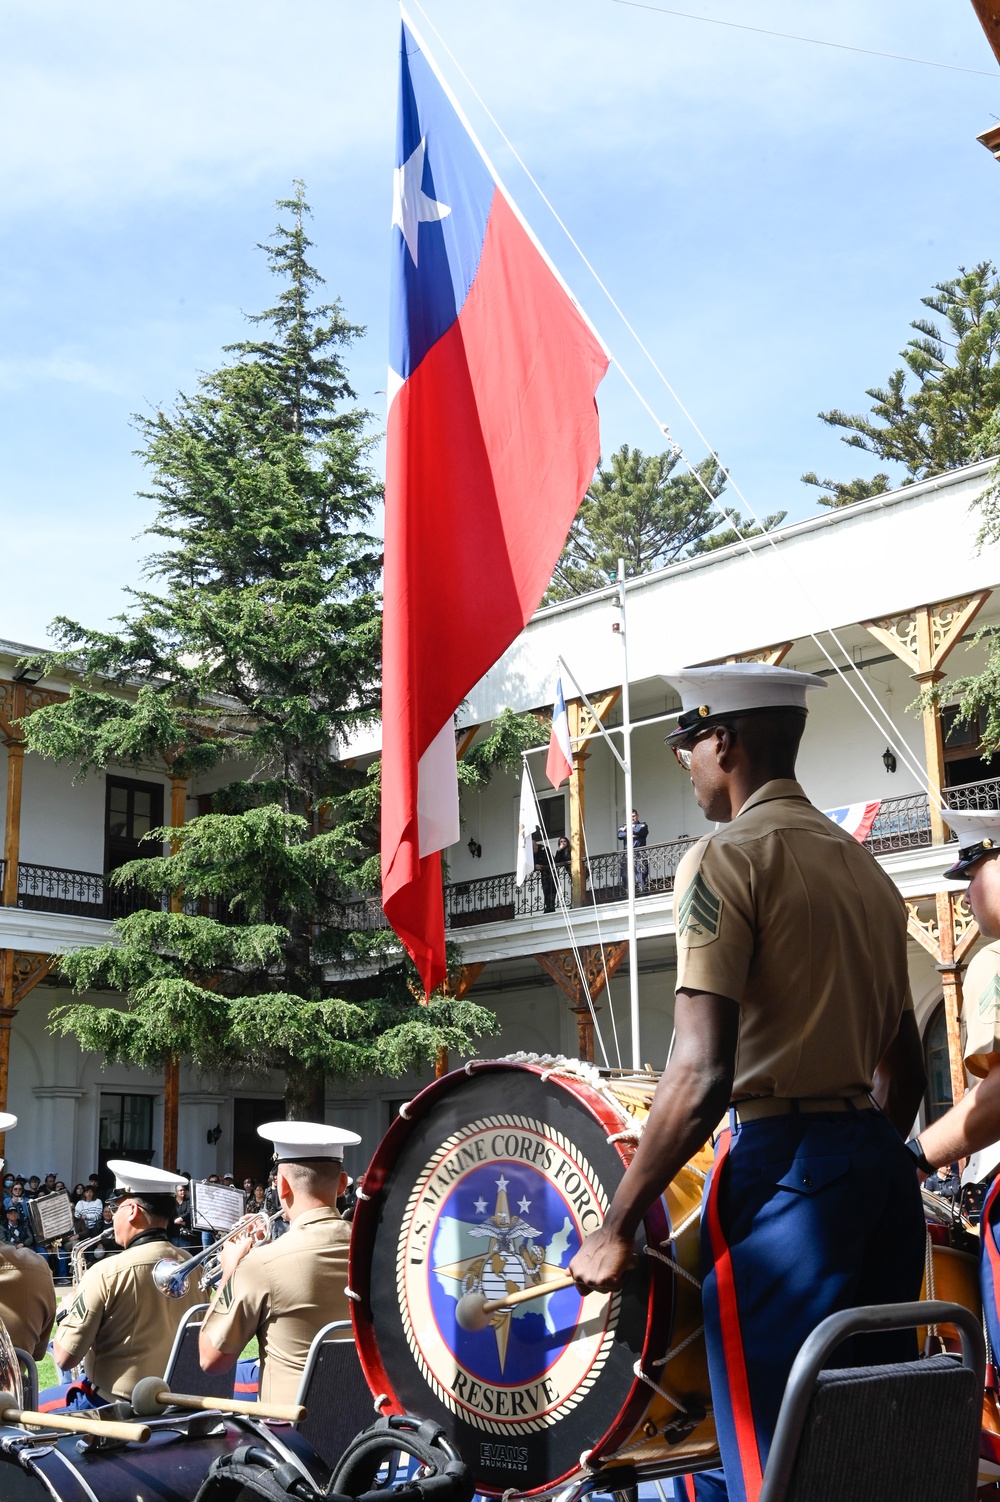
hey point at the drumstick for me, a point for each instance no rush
(473, 1312)
(150, 1397)
(73, 1423)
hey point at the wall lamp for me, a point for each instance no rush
(888, 760)
(475, 849)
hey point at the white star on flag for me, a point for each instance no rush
(411, 207)
(524, 1204)
(480, 1205)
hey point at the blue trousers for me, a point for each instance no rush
(989, 1266)
(787, 1239)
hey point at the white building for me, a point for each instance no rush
(879, 597)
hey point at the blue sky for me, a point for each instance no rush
(768, 214)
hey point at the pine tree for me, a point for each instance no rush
(739, 528)
(946, 420)
(256, 654)
(636, 509)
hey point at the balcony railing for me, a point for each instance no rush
(901, 824)
(83, 894)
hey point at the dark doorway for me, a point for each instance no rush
(251, 1154)
(126, 1132)
(132, 810)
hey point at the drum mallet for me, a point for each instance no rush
(473, 1312)
(73, 1423)
(151, 1396)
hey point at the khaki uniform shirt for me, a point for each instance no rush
(792, 918)
(284, 1293)
(121, 1321)
(981, 1010)
(27, 1299)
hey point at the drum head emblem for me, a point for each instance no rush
(500, 1208)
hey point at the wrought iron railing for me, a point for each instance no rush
(901, 824)
(83, 894)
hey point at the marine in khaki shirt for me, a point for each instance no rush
(119, 1323)
(981, 1010)
(286, 1291)
(788, 915)
(27, 1299)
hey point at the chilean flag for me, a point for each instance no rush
(856, 818)
(492, 440)
(559, 760)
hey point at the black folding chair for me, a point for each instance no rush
(334, 1391)
(902, 1433)
(184, 1373)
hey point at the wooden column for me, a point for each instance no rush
(944, 926)
(924, 638)
(172, 1069)
(577, 804)
(12, 828)
(561, 965)
(20, 973)
(456, 986)
(17, 700)
(171, 1111)
(582, 727)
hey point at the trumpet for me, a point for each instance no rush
(172, 1278)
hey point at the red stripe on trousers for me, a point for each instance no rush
(732, 1335)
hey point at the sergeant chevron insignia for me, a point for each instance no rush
(699, 913)
(989, 1000)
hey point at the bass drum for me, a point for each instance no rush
(170, 1467)
(484, 1186)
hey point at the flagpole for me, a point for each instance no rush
(633, 946)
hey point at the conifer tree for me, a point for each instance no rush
(949, 416)
(636, 508)
(254, 657)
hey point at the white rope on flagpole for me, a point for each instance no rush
(895, 738)
(572, 937)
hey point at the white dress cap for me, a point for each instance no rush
(307, 1141)
(7, 1121)
(735, 688)
(141, 1178)
(978, 834)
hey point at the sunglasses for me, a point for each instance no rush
(683, 753)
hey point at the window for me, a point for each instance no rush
(963, 761)
(553, 812)
(132, 809)
(938, 1099)
(127, 1126)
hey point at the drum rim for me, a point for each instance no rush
(659, 1307)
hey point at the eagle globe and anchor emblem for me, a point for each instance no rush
(511, 1263)
(500, 1208)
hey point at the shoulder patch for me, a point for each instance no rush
(699, 913)
(989, 1000)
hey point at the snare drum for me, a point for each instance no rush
(486, 1186)
(170, 1467)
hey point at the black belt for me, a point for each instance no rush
(760, 1107)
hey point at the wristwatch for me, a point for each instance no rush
(913, 1146)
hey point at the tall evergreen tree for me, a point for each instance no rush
(256, 654)
(737, 528)
(636, 509)
(948, 417)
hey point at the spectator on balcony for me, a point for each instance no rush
(640, 834)
(546, 872)
(17, 1199)
(33, 1187)
(48, 1185)
(562, 859)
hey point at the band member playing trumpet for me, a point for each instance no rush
(287, 1290)
(119, 1321)
(27, 1293)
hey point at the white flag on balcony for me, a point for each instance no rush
(527, 819)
